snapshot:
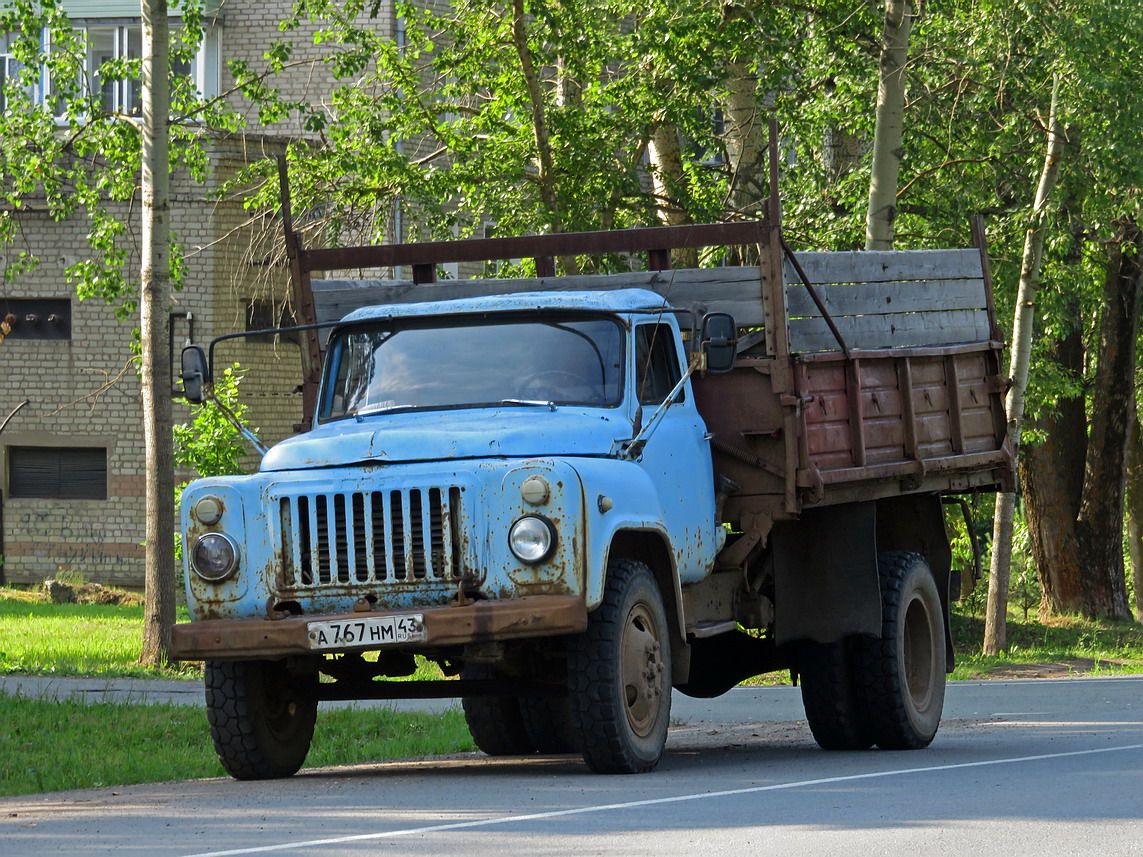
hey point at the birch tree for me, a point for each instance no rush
(154, 305)
(888, 134)
(995, 633)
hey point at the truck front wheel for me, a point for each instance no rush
(619, 674)
(261, 718)
(901, 676)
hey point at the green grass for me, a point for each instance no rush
(1068, 646)
(37, 638)
(52, 746)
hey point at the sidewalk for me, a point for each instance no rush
(145, 691)
(743, 704)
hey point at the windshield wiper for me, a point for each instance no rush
(531, 403)
(361, 413)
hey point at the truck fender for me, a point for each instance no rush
(653, 548)
(623, 517)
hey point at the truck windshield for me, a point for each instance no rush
(401, 365)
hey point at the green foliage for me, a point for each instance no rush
(538, 122)
(1024, 588)
(154, 743)
(210, 443)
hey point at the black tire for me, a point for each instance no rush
(830, 697)
(901, 677)
(261, 718)
(619, 674)
(549, 724)
(494, 722)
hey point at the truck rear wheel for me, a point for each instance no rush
(494, 722)
(830, 697)
(619, 674)
(261, 718)
(901, 677)
(548, 723)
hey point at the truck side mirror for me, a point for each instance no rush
(195, 374)
(719, 341)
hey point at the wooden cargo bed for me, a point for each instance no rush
(860, 375)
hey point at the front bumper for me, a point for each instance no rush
(476, 622)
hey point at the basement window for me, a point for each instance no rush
(57, 473)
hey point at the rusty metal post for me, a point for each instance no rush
(302, 295)
(980, 242)
(659, 259)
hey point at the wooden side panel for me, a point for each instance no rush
(891, 330)
(895, 411)
(931, 408)
(736, 290)
(888, 299)
(901, 297)
(827, 415)
(882, 266)
(882, 427)
(977, 402)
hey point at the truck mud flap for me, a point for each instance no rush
(825, 574)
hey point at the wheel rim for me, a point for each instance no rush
(280, 705)
(641, 670)
(920, 653)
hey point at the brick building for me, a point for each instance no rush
(71, 459)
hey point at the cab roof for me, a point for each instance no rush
(618, 300)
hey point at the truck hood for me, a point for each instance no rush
(517, 432)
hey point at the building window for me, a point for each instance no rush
(269, 315)
(106, 45)
(12, 70)
(57, 473)
(111, 44)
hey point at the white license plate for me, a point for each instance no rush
(373, 631)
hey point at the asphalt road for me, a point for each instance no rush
(1019, 768)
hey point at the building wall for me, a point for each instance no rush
(85, 391)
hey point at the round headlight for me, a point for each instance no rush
(214, 557)
(532, 539)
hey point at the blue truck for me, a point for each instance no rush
(575, 494)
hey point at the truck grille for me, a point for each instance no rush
(386, 537)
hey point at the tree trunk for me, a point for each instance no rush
(841, 151)
(667, 177)
(1077, 534)
(154, 305)
(1134, 500)
(887, 134)
(1099, 524)
(745, 135)
(996, 612)
(1052, 476)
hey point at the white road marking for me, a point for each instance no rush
(635, 804)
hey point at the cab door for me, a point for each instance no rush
(677, 456)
